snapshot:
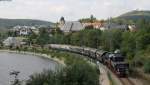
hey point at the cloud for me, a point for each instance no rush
(52, 10)
(5, 0)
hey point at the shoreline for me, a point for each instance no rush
(101, 78)
(35, 54)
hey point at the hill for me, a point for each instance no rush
(8, 23)
(135, 15)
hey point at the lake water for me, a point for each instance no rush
(26, 64)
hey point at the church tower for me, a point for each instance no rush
(61, 22)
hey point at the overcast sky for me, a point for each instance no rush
(52, 10)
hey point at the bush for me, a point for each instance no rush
(147, 67)
(80, 73)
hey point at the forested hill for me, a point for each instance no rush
(136, 15)
(7, 23)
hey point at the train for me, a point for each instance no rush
(113, 60)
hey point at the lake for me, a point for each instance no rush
(26, 64)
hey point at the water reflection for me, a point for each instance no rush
(25, 64)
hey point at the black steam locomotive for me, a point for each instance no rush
(115, 61)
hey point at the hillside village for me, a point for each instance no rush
(71, 26)
(66, 27)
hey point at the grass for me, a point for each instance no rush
(112, 82)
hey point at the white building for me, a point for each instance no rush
(23, 30)
(132, 28)
(11, 41)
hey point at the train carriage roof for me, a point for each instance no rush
(91, 49)
(76, 47)
(101, 52)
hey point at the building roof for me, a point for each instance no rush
(115, 26)
(94, 24)
(72, 26)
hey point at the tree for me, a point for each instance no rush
(93, 38)
(43, 37)
(111, 40)
(79, 72)
(77, 39)
(91, 19)
(56, 31)
(87, 37)
(128, 45)
(143, 41)
(147, 67)
(58, 39)
(32, 38)
(9, 33)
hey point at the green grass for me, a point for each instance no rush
(112, 82)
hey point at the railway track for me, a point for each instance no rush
(126, 81)
(123, 80)
(89, 52)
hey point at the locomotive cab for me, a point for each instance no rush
(116, 57)
(121, 68)
(117, 62)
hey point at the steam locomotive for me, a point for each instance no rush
(115, 61)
